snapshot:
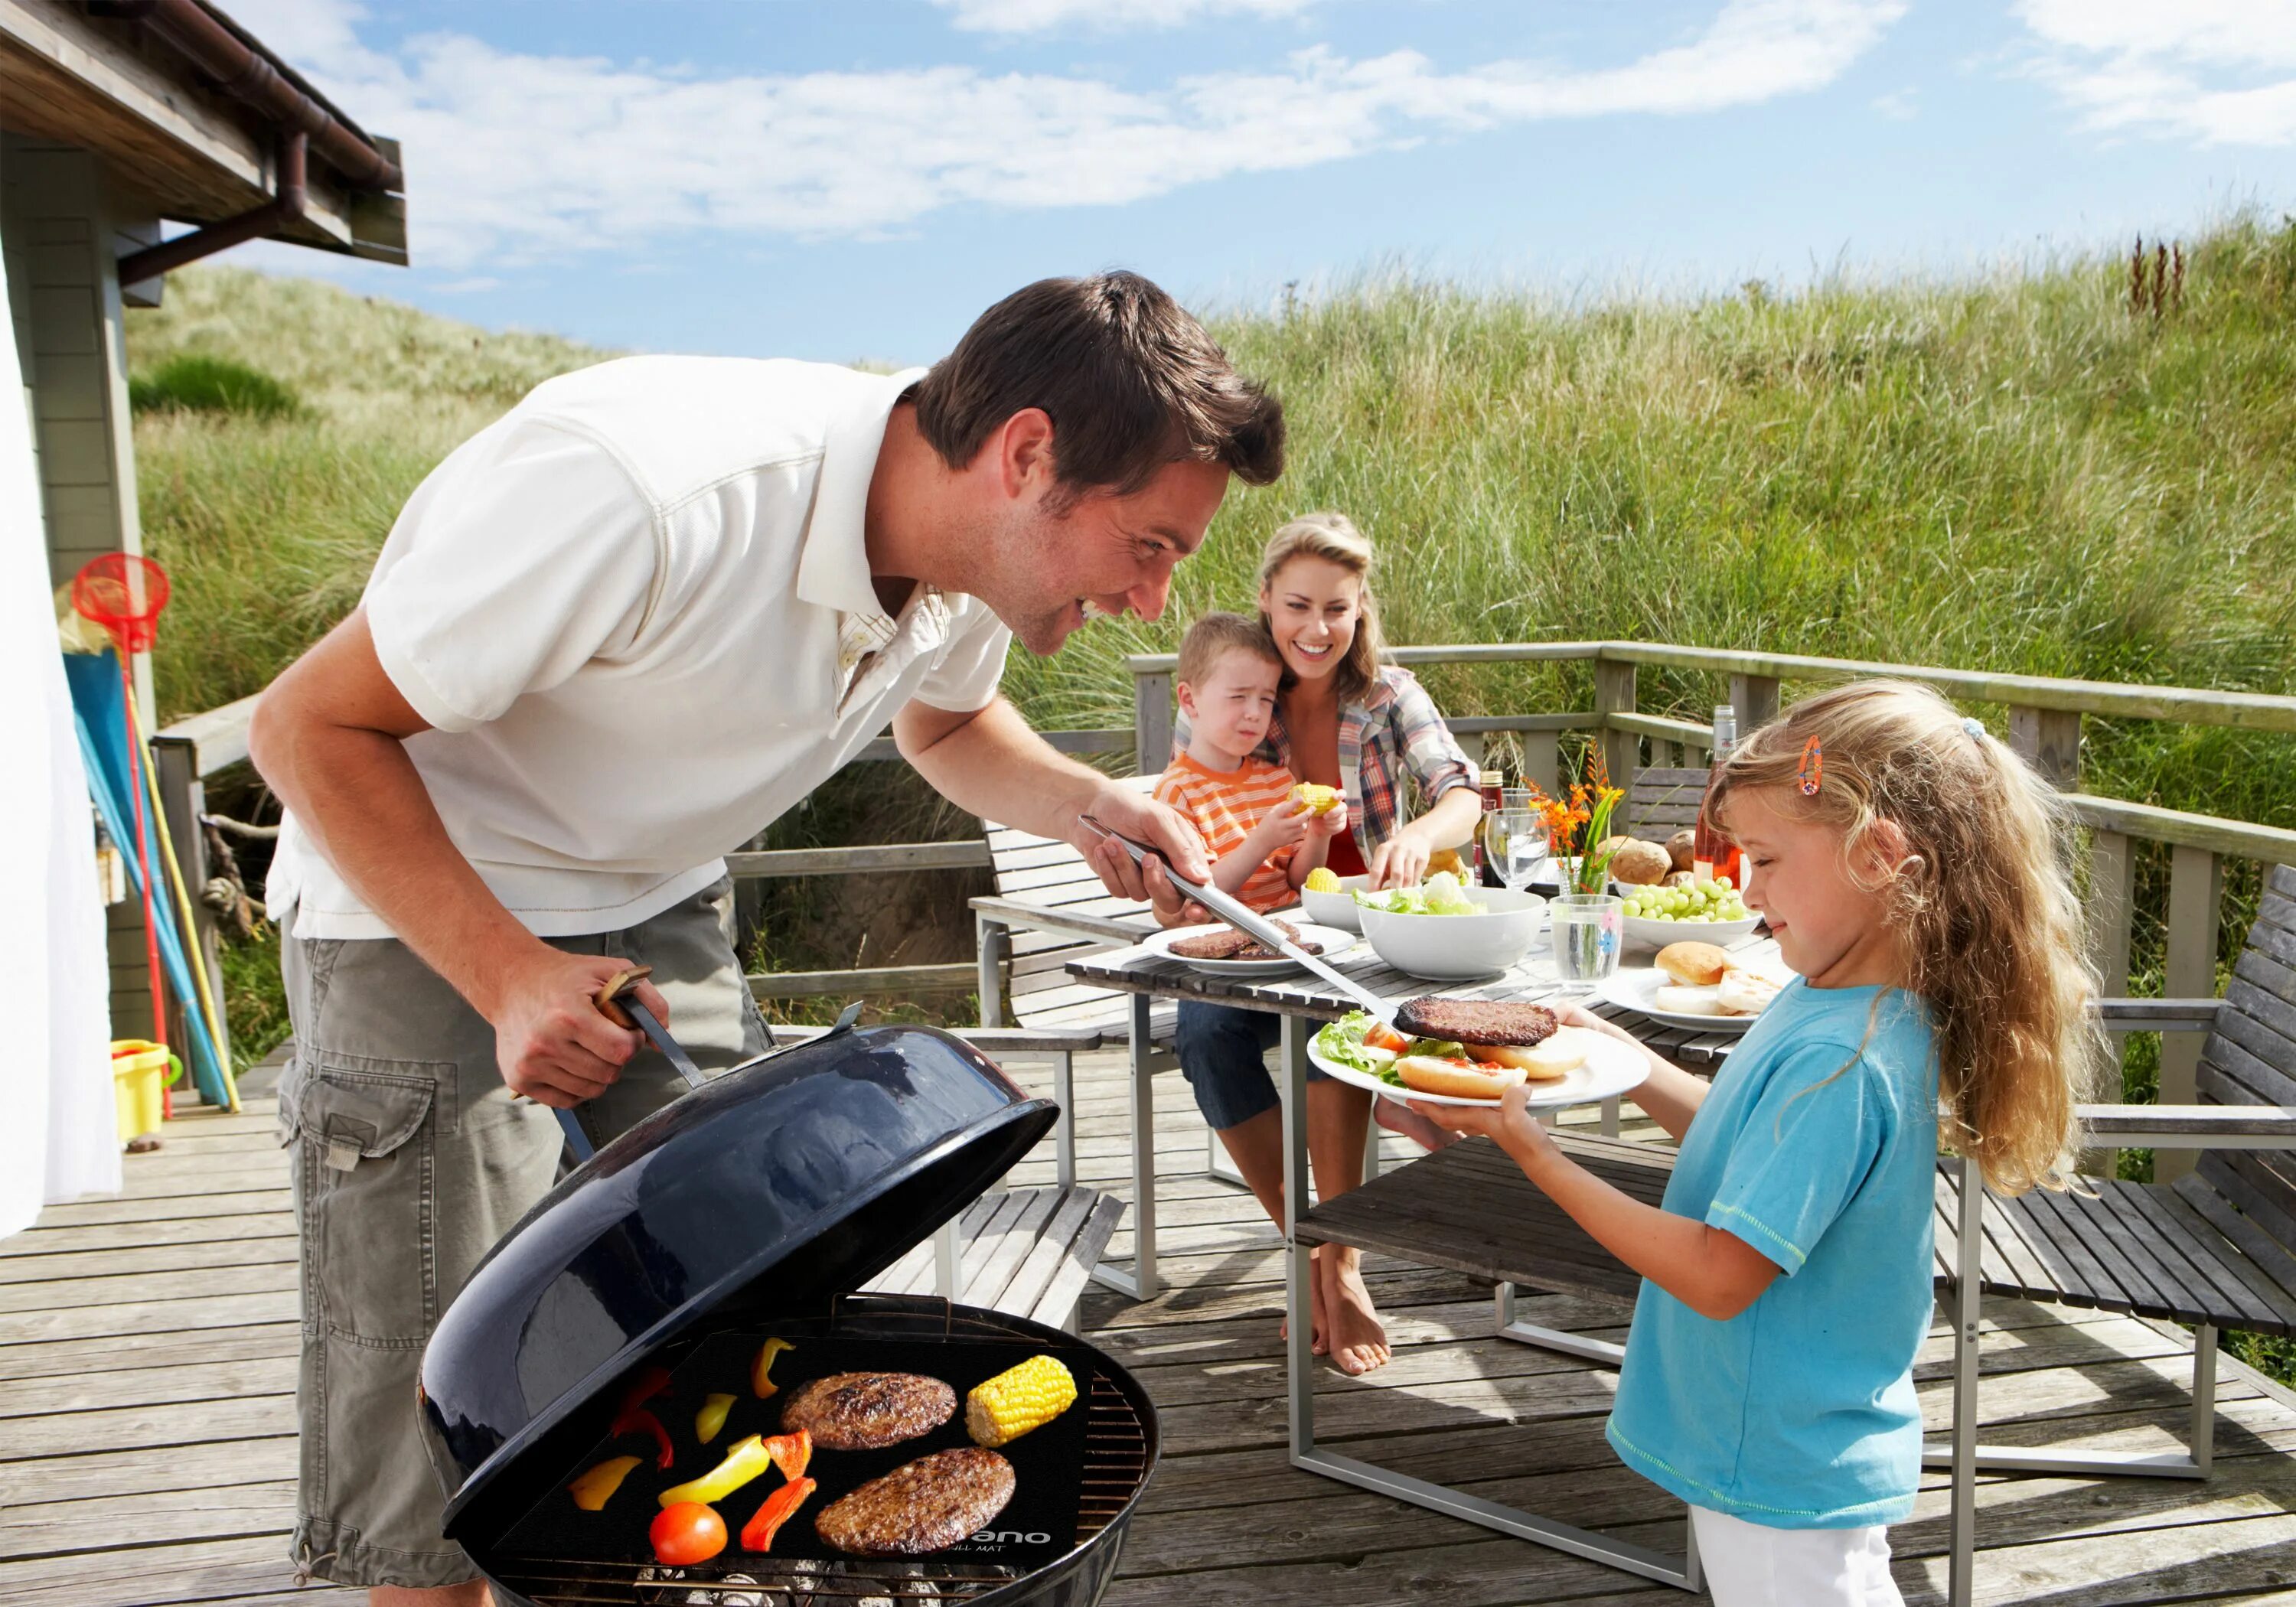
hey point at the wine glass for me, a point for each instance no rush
(1518, 846)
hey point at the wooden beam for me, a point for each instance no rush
(877, 980)
(2195, 908)
(197, 155)
(2213, 833)
(848, 861)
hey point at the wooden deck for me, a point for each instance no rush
(147, 1451)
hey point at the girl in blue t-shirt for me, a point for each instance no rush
(1915, 875)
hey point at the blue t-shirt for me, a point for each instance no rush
(1799, 1412)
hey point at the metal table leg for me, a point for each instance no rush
(1300, 1381)
(1141, 1283)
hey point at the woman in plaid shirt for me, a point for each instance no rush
(1348, 721)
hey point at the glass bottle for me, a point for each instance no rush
(1492, 785)
(1714, 854)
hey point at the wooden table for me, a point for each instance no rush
(1454, 1207)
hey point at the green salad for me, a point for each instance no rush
(1440, 894)
(1341, 1042)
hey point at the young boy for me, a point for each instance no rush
(1262, 843)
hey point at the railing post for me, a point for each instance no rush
(2049, 740)
(1756, 699)
(1151, 720)
(1614, 693)
(1541, 760)
(2195, 905)
(2111, 909)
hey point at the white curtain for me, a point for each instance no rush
(58, 1137)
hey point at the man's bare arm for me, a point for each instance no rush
(329, 736)
(991, 762)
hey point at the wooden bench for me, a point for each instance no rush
(1028, 1252)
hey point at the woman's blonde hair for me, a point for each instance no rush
(1334, 538)
(1983, 901)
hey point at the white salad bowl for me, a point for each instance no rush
(1335, 909)
(1455, 948)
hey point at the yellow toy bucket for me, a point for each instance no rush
(141, 1071)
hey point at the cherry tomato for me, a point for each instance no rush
(688, 1532)
(1380, 1036)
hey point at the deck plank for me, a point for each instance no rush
(147, 1361)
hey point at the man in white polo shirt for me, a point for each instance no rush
(611, 638)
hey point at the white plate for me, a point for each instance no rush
(1611, 1068)
(1633, 985)
(1334, 942)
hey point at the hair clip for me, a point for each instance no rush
(1974, 726)
(1812, 775)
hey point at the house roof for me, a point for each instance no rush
(91, 74)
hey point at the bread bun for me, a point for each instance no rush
(1745, 992)
(1456, 1078)
(1682, 850)
(1687, 1001)
(1639, 863)
(1563, 1053)
(1693, 964)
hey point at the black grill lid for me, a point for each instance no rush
(785, 1181)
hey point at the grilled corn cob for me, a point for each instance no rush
(1314, 797)
(1017, 1401)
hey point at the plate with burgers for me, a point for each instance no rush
(1701, 986)
(1469, 1052)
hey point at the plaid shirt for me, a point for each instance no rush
(1392, 732)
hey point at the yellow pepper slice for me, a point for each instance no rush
(712, 1418)
(745, 1459)
(597, 1486)
(760, 1370)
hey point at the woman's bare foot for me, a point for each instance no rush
(1358, 1342)
(1398, 1117)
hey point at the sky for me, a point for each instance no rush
(856, 181)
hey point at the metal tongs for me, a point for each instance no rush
(1245, 920)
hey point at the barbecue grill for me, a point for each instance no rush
(764, 1198)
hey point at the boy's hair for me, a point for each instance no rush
(1334, 538)
(1131, 381)
(1983, 902)
(1216, 635)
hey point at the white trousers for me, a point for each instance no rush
(1749, 1565)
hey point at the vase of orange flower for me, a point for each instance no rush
(1586, 921)
(1576, 827)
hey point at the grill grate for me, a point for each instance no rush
(1115, 1463)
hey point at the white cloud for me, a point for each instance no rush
(1039, 16)
(511, 157)
(2212, 71)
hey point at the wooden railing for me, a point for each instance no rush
(2044, 721)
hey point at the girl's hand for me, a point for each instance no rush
(1401, 861)
(1509, 1124)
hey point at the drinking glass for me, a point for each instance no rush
(1589, 930)
(1517, 846)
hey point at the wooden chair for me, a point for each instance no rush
(2214, 1249)
(1049, 908)
(1660, 802)
(1027, 1252)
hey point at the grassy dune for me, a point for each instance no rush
(2010, 472)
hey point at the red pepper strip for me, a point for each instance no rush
(757, 1533)
(791, 1452)
(645, 1387)
(637, 1419)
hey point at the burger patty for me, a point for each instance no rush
(1233, 945)
(932, 1503)
(1477, 1021)
(866, 1411)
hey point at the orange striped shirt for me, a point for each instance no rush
(1225, 805)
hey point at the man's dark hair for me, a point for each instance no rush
(1130, 380)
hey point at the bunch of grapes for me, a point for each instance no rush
(1715, 900)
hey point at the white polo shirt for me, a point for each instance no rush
(636, 611)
